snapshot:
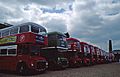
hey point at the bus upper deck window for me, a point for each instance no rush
(35, 29)
(5, 32)
(14, 30)
(24, 28)
(42, 32)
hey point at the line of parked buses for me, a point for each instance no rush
(28, 47)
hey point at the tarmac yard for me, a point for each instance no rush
(103, 70)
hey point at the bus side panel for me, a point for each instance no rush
(8, 62)
(25, 38)
(1, 63)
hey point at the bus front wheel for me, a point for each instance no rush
(22, 69)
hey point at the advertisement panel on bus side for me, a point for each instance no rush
(9, 39)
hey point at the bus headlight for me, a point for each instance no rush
(75, 62)
(32, 64)
(47, 63)
(58, 58)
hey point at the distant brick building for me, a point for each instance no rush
(117, 54)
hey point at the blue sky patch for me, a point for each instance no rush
(53, 10)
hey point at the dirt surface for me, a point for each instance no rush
(103, 70)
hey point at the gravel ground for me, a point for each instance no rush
(103, 70)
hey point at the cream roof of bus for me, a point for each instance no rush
(33, 24)
(8, 29)
(25, 24)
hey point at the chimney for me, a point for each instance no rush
(110, 46)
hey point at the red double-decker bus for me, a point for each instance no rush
(87, 54)
(92, 53)
(74, 54)
(20, 48)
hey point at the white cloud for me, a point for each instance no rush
(96, 21)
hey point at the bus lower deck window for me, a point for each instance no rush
(3, 52)
(11, 51)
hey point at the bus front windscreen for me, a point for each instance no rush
(71, 43)
(62, 41)
(35, 50)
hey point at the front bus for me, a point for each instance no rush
(20, 46)
(54, 52)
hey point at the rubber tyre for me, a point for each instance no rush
(22, 69)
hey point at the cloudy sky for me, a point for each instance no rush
(93, 21)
